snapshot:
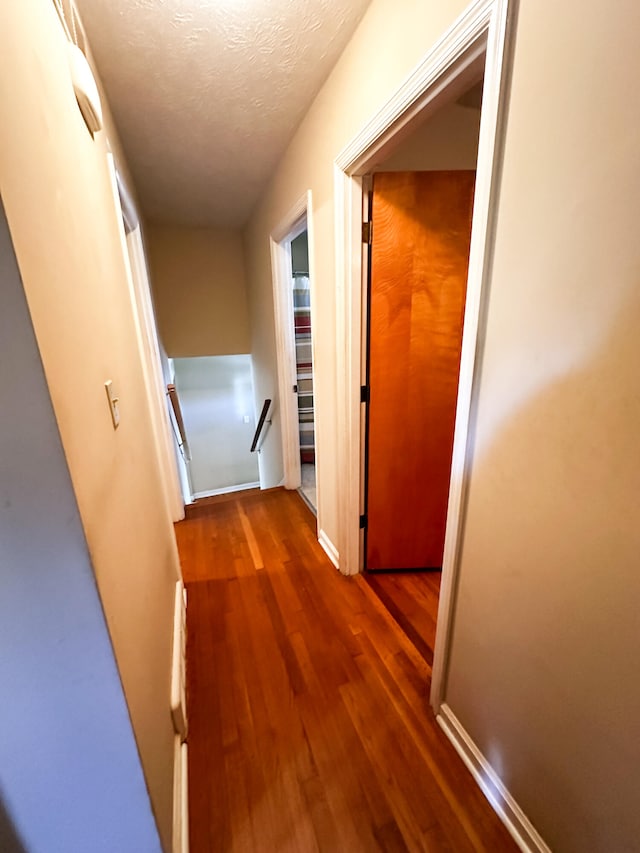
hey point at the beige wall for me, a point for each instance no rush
(545, 649)
(401, 32)
(69, 766)
(546, 642)
(448, 140)
(59, 205)
(198, 280)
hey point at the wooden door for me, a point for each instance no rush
(419, 262)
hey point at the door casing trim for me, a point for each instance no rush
(292, 224)
(477, 39)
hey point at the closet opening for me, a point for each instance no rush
(301, 294)
(294, 310)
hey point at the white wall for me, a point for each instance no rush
(546, 641)
(216, 395)
(60, 208)
(70, 775)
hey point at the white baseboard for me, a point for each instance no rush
(224, 491)
(329, 548)
(180, 798)
(179, 662)
(520, 827)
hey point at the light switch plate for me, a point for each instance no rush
(113, 403)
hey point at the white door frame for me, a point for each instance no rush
(152, 364)
(476, 40)
(293, 224)
(134, 258)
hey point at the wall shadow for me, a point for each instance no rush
(9, 840)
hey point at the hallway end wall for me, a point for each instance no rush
(198, 280)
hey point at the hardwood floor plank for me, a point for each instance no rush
(383, 744)
(256, 556)
(412, 729)
(326, 831)
(412, 599)
(354, 794)
(296, 679)
(309, 723)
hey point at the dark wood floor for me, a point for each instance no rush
(310, 727)
(412, 599)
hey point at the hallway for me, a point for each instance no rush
(310, 727)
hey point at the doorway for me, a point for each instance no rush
(420, 208)
(473, 47)
(292, 271)
(421, 231)
(301, 294)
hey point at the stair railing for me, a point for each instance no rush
(261, 422)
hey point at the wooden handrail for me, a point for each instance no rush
(261, 422)
(177, 412)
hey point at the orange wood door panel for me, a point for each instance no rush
(419, 264)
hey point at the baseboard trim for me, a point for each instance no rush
(226, 490)
(329, 548)
(180, 798)
(518, 824)
(178, 662)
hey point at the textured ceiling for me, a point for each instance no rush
(207, 93)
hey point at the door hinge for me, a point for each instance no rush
(367, 232)
(295, 389)
(364, 393)
(363, 522)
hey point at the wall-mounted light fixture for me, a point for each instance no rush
(86, 89)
